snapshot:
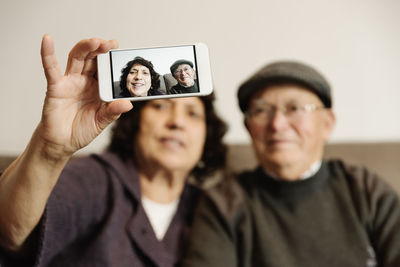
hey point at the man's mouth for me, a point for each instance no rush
(278, 141)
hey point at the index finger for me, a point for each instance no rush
(104, 47)
(78, 54)
(90, 66)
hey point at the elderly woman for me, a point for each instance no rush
(131, 206)
(138, 78)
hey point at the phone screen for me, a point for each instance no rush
(154, 71)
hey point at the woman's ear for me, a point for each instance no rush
(245, 122)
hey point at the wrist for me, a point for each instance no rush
(45, 150)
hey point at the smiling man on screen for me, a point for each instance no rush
(183, 72)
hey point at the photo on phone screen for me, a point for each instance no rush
(155, 72)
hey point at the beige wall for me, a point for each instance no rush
(355, 43)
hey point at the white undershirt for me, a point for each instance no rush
(160, 215)
(314, 168)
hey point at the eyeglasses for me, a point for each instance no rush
(293, 112)
(186, 69)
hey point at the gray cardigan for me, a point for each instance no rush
(94, 218)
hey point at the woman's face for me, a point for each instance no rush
(172, 134)
(138, 81)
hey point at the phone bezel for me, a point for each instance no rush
(203, 71)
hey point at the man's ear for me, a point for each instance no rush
(329, 120)
(247, 125)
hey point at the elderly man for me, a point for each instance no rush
(183, 72)
(295, 209)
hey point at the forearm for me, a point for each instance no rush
(24, 189)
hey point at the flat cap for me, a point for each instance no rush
(282, 72)
(180, 62)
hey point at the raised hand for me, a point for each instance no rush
(73, 114)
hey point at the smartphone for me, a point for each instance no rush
(155, 72)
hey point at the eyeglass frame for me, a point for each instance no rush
(186, 70)
(307, 108)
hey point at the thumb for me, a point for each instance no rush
(110, 112)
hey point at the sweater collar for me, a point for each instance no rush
(293, 189)
(126, 172)
(314, 168)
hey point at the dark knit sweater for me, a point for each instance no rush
(342, 216)
(179, 89)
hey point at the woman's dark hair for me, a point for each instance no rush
(214, 153)
(155, 77)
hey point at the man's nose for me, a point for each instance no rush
(278, 120)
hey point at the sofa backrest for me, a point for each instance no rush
(169, 80)
(381, 158)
